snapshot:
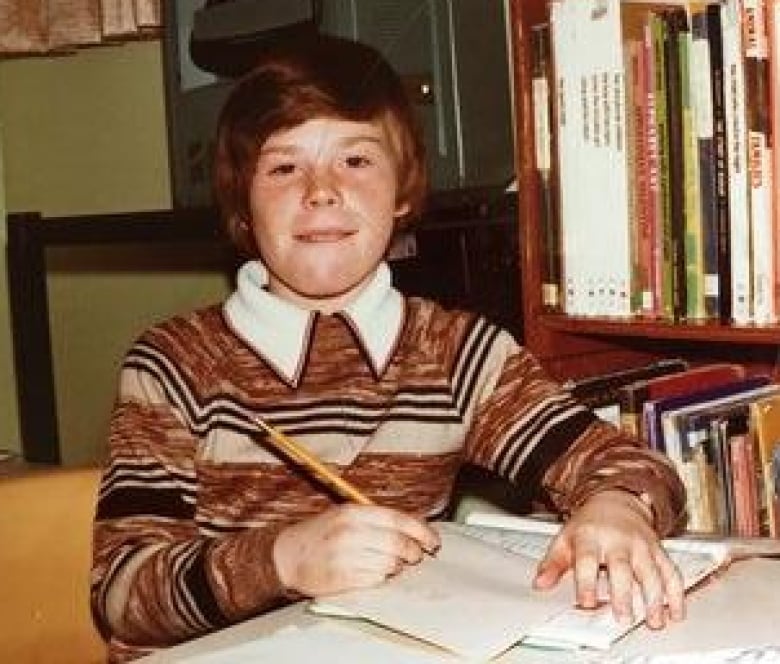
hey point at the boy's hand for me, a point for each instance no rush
(350, 546)
(612, 531)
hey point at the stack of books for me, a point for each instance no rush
(720, 428)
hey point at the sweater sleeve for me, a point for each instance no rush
(528, 429)
(156, 578)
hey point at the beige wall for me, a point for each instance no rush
(86, 134)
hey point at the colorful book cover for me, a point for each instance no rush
(633, 396)
(653, 410)
(765, 419)
(603, 389)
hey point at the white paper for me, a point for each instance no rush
(323, 643)
(472, 598)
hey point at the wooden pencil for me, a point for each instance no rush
(311, 464)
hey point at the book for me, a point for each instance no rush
(642, 144)
(691, 100)
(720, 148)
(653, 410)
(490, 565)
(759, 165)
(765, 419)
(601, 392)
(653, 200)
(434, 600)
(632, 397)
(697, 557)
(681, 445)
(702, 74)
(773, 21)
(544, 142)
(676, 22)
(738, 189)
(636, 151)
(592, 156)
(743, 473)
(718, 454)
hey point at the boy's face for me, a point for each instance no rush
(323, 206)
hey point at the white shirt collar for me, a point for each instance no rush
(280, 331)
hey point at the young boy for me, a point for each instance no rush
(200, 524)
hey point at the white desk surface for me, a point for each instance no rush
(739, 609)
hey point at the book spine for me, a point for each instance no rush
(756, 57)
(739, 210)
(569, 130)
(589, 54)
(709, 463)
(693, 240)
(761, 412)
(743, 477)
(676, 22)
(636, 170)
(720, 144)
(722, 456)
(707, 480)
(664, 252)
(773, 20)
(542, 98)
(604, 388)
(631, 398)
(653, 200)
(702, 72)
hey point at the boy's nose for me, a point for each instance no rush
(322, 190)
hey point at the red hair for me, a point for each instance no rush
(326, 77)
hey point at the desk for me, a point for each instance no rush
(741, 608)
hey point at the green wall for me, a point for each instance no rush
(86, 134)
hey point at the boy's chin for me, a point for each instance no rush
(340, 292)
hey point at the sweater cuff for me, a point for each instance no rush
(666, 520)
(244, 575)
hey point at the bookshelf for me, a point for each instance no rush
(575, 346)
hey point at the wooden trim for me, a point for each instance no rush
(29, 234)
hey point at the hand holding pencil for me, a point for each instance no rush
(349, 546)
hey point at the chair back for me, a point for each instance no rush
(45, 558)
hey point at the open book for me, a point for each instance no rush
(475, 598)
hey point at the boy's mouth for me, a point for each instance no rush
(323, 236)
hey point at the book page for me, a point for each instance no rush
(755, 655)
(696, 557)
(435, 601)
(325, 643)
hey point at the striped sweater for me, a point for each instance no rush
(191, 499)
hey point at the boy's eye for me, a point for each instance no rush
(357, 161)
(281, 170)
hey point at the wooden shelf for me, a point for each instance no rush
(704, 332)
